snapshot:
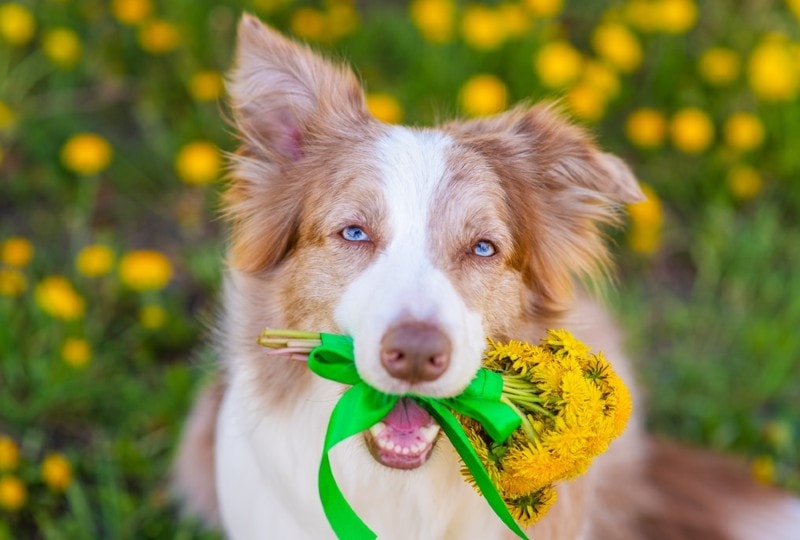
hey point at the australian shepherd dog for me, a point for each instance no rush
(420, 244)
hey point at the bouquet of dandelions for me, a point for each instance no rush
(570, 405)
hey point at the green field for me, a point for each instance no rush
(112, 143)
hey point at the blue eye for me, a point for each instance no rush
(484, 248)
(354, 234)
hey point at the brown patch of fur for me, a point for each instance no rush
(193, 471)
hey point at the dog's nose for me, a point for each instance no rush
(415, 352)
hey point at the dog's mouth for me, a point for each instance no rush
(405, 438)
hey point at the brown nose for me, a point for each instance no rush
(415, 352)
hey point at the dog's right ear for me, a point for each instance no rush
(282, 96)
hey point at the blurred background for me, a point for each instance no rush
(112, 143)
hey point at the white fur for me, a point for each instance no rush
(404, 281)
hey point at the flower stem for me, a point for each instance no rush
(527, 428)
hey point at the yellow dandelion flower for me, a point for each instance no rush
(743, 131)
(563, 343)
(9, 454)
(86, 154)
(744, 182)
(646, 127)
(385, 107)
(56, 472)
(16, 252)
(778, 433)
(483, 28)
(62, 46)
(719, 66)
(692, 130)
(95, 260)
(622, 405)
(516, 19)
(528, 467)
(530, 508)
(586, 102)
(647, 216)
(434, 19)
(152, 317)
(13, 493)
(17, 24)
(342, 19)
(76, 352)
(145, 270)
(483, 94)
(771, 71)
(309, 23)
(12, 282)
(56, 297)
(545, 8)
(206, 85)
(602, 78)
(6, 117)
(676, 16)
(158, 36)
(794, 5)
(558, 64)
(643, 15)
(198, 163)
(763, 469)
(616, 44)
(131, 12)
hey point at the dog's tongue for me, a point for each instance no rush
(407, 417)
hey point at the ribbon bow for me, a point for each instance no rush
(362, 406)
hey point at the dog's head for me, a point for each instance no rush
(419, 243)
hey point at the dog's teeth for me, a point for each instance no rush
(377, 429)
(381, 443)
(406, 451)
(389, 445)
(429, 433)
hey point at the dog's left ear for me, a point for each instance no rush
(563, 190)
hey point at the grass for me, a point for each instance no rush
(708, 292)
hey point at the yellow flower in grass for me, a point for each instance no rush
(86, 154)
(158, 36)
(342, 19)
(62, 46)
(558, 64)
(586, 102)
(131, 11)
(743, 131)
(95, 260)
(794, 5)
(385, 107)
(744, 182)
(763, 469)
(16, 252)
(12, 282)
(145, 270)
(206, 85)
(76, 352)
(771, 71)
(483, 28)
(56, 297)
(482, 95)
(9, 454)
(602, 78)
(719, 66)
(13, 493)
(545, 8)
(56, 472)
(646, 127)
(434, 19)
(198, 163)
(692, 131)
(308, 23)
(17, 24)
(676, 16)
(6, 116)
(642, 15)
(616, 44)
(647, 217)
(516, 19)
(152, 317)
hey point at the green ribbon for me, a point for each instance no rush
(362, 406)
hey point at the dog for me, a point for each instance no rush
(420, 244)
